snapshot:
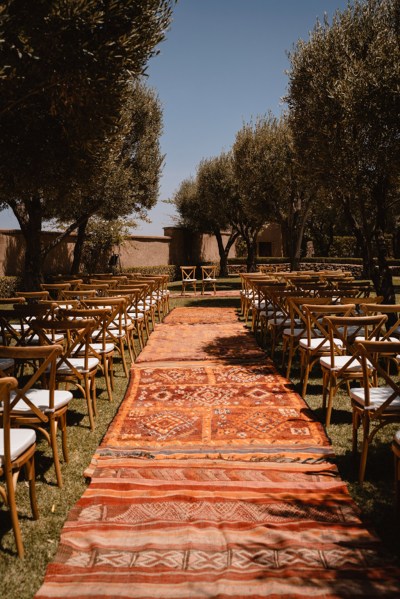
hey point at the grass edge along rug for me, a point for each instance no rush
(173, 513)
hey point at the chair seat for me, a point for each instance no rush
(340, 362)
(98, 347)
(317, 343)
(6, 363)
(20, 440)
(396, 438)
(378, 395)
(41, 398)
(78, 364)
(189, 280)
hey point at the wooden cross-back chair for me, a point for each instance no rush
(208, 278)
(17, 449)
(118, 325)
(374, 407)
(342, 365)
(316, 342)
(297, 327)
(36, 402)
(100, 347)
(16, 323)
(75, 364)
(188, 274)
(135, 317)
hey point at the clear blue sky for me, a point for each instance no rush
(223, 62)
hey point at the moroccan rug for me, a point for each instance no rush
(215, 481)
(201, 316)
(207, 408)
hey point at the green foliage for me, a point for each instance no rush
(343, 245)
(344, 111)
(65, 71)
(100, 239)
(9, 285)
(172, 271)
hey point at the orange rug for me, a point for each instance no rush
(215, 481)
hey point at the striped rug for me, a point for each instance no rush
(214, 480)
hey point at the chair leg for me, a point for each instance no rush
(14, 513)
(30, 475)
(62, 423)
(364, 450)
(331, 395)
(54, 448)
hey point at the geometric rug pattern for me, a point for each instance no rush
(214, 480)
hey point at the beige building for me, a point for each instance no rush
(177, 246)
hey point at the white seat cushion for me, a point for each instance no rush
(41, 399)
(340, 362)
(378, 395)
(79, 364)
(20, 440)
(317, 343)
(6, 363)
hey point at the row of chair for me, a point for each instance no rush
(52, 343)
(352, 336)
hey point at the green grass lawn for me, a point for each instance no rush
(22, 579)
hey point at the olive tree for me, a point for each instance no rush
(208, 203)
(64, 70)
(344, 110)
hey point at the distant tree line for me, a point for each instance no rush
(330, 164)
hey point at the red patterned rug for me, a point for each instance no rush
(206, 408)
(193, 530)
(215, 481)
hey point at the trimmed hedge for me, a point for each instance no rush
(171, 270)
(9, 285)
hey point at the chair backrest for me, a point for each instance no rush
(315, 318)
(188, 272)
(43, 360)
(297, 316)
(372, 352)
(76, 294)
(392, 311)
(15, 323)
(77, 334)
(208, 272)
(100, 315)
(347, 329)
(33, 296)
(7, 385)
(55, 289)
(118, 315)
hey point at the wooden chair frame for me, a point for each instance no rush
(45, 417)
(374, 407)
(342, 366)
(188, 278)
(10, 466)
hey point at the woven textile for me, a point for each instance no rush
(211, 409)
(215, 481)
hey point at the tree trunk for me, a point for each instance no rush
(78, 249)
(224, 251)
(251, 244)
(31, 228)
(383, 279)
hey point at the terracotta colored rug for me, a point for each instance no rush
(207, 409)
(201, 334)
(215, 481)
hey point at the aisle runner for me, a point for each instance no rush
(215, 481)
